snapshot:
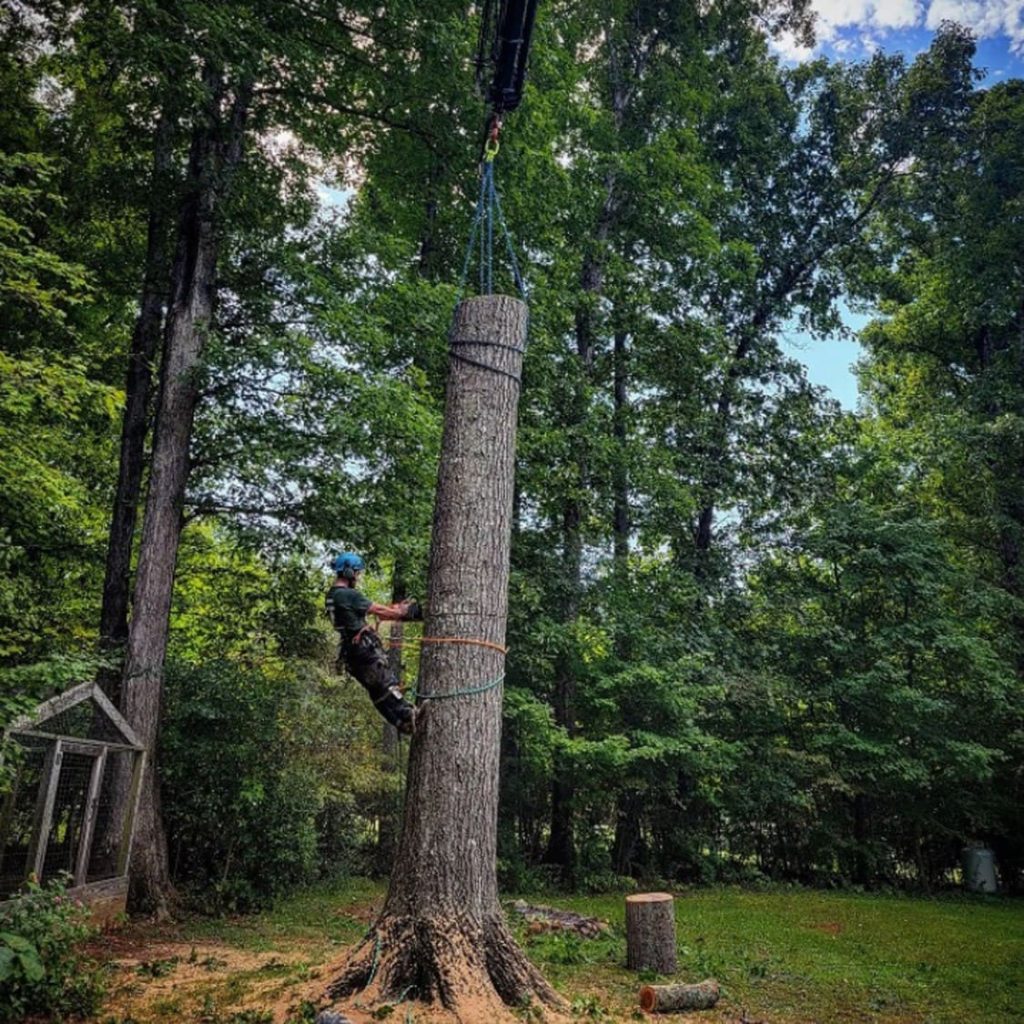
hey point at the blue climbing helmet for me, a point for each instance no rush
(348, 563)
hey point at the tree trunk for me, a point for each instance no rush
(651, 932)
(561, 846)
(135, 423)
(441, 936)
(215, 148)
(628, 836)
(620, 483)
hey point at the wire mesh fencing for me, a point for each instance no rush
(18, 818)
(69, 810)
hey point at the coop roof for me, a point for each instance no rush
(83, 712)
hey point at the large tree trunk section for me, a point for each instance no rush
(216, 148)
(442, 937)
(679, 998)
(651, 932)
(135, 423)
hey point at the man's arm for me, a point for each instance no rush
(403, 611)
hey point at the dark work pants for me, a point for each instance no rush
(367, 660)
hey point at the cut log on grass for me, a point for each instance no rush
(677, 998)
(651, 932)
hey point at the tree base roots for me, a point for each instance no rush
(475, 970)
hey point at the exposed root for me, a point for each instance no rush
(474, 970)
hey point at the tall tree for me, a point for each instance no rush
(945, 371)
(216, 151)
(138, 394)
(442, 931)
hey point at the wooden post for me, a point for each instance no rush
(131, 812)
(44, 810)
(677, 998)
(92, 805)
(651, 932)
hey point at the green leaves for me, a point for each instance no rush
(42, 969)
(19, 956)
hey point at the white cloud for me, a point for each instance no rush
(789, 49)
(868, 17)
(871, 19)
(985, 17)
(873, 13)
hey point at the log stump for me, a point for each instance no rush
(651, 932)
(678, 998)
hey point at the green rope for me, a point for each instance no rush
(487, 217)
(468, 692)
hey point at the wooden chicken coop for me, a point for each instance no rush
(72, 806)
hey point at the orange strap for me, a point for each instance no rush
(448, 640)
(394, 641)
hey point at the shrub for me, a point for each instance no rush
(42, 969)
(239, 801)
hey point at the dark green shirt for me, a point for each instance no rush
(348, 608)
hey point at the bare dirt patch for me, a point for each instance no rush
(181, 981)
(829, 927)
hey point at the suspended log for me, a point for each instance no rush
(651, 932)
(677, 998)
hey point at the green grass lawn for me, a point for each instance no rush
(799, 955)
(782, 956)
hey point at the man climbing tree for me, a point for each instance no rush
(361, 651)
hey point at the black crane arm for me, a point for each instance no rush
(509, 52)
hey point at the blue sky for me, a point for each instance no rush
(851, 29)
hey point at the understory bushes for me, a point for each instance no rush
(263, 774)
(43, 971)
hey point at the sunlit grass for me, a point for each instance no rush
(801, 955)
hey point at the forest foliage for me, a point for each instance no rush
(752, 634)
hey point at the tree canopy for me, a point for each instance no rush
(751, 633)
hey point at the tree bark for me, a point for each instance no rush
(216, 148)
(651, 932)
(441, 936)
(135, 423)
(677, 998)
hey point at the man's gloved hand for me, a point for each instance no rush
(413, 611)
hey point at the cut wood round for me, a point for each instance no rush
(651, 932)
(676, 998)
